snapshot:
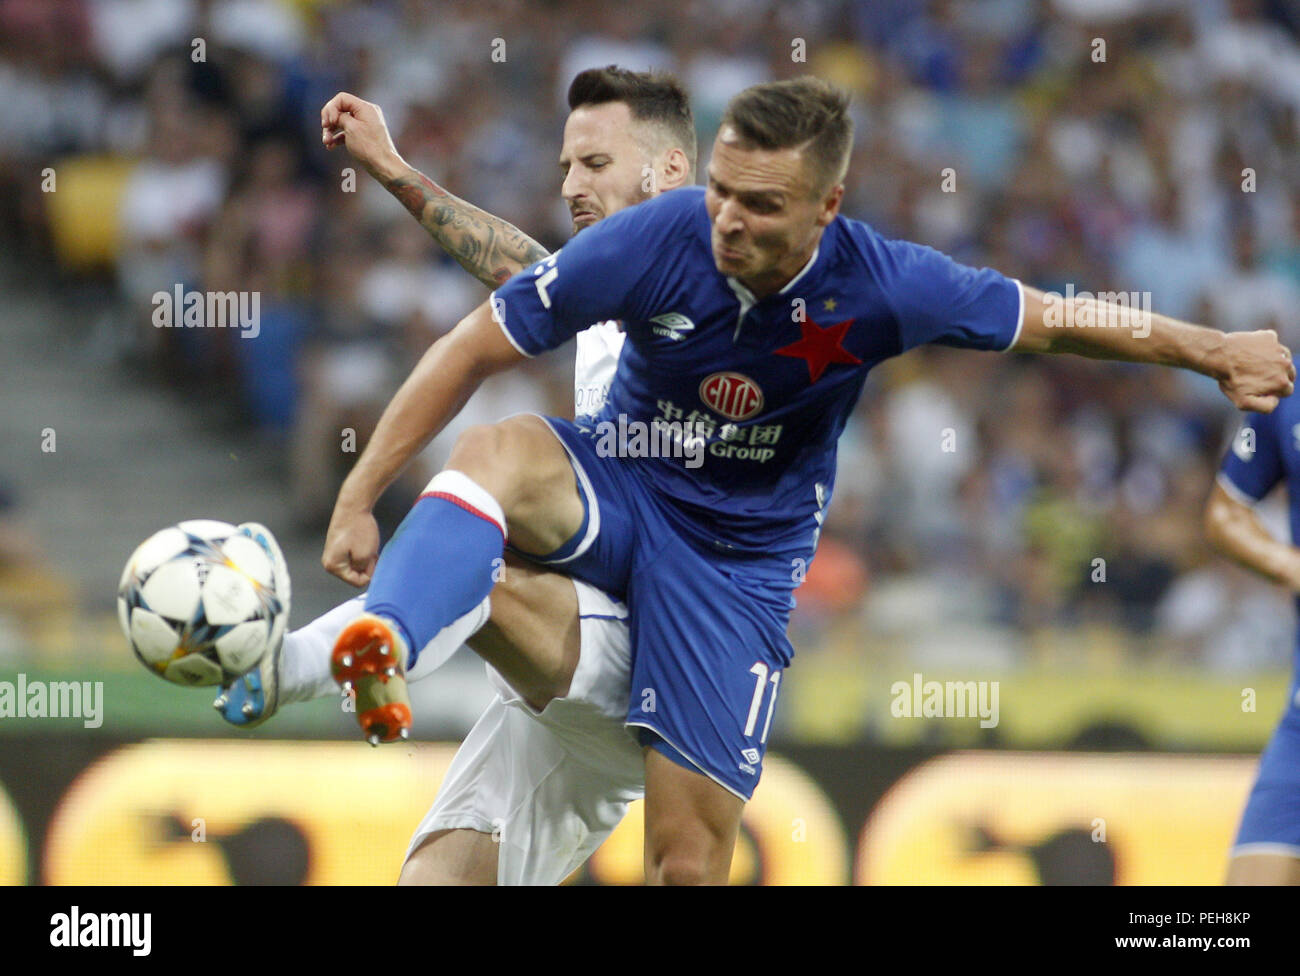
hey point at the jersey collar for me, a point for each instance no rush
(748, 300)
(747, 297)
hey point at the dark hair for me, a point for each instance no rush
(650, 96)
(805, 112)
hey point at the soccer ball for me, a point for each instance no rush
(202, 601)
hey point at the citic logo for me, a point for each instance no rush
(734, 396)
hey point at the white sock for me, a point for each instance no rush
(305, 657)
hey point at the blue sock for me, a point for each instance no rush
(441, 561)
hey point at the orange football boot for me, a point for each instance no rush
(369, 661)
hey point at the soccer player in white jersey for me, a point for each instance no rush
(548, 770)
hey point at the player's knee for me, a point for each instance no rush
(482, 453)
(411, 875)
(452, 857)
(685, 868)
(513, 460)
(687, 853)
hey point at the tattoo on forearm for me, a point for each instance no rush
(410, 195)
(486, 246)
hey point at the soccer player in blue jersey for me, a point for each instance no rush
(753, 311)
(1264, 454)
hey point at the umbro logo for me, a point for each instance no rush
(751, 755)
(672, 325)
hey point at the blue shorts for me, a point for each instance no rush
(1271, 821)
(708, 630)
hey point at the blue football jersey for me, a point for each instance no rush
(1266, 451)
(764, 385)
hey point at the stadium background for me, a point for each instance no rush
(130, 165)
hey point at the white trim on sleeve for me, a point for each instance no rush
(1235, 493)
(499, 316)
(1020, 317)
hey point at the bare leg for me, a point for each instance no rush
(452, 857)
(1263, 869)
(691, 825)
(532, 637)
(522, 464)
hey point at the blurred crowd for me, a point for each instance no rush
(1107, 145)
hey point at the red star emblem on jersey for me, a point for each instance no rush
(820, 347)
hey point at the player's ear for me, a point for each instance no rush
(674, 169)
(830, 207)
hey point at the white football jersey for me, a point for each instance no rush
(594, 365)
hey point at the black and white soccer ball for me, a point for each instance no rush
(201, 602)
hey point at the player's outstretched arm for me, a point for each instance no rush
(1253, 368)
(488, 247)
(1233, 528)
(442, 381)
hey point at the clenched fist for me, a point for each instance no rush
(351, 545)
(359, 126)
(1258, 370)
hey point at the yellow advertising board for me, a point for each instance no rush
(983, 818)
(172, 812)
(216, 812)
(13, 844)
(199, 812)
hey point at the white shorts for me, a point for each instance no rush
(550, 786)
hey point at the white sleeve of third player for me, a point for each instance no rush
(595, 364)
